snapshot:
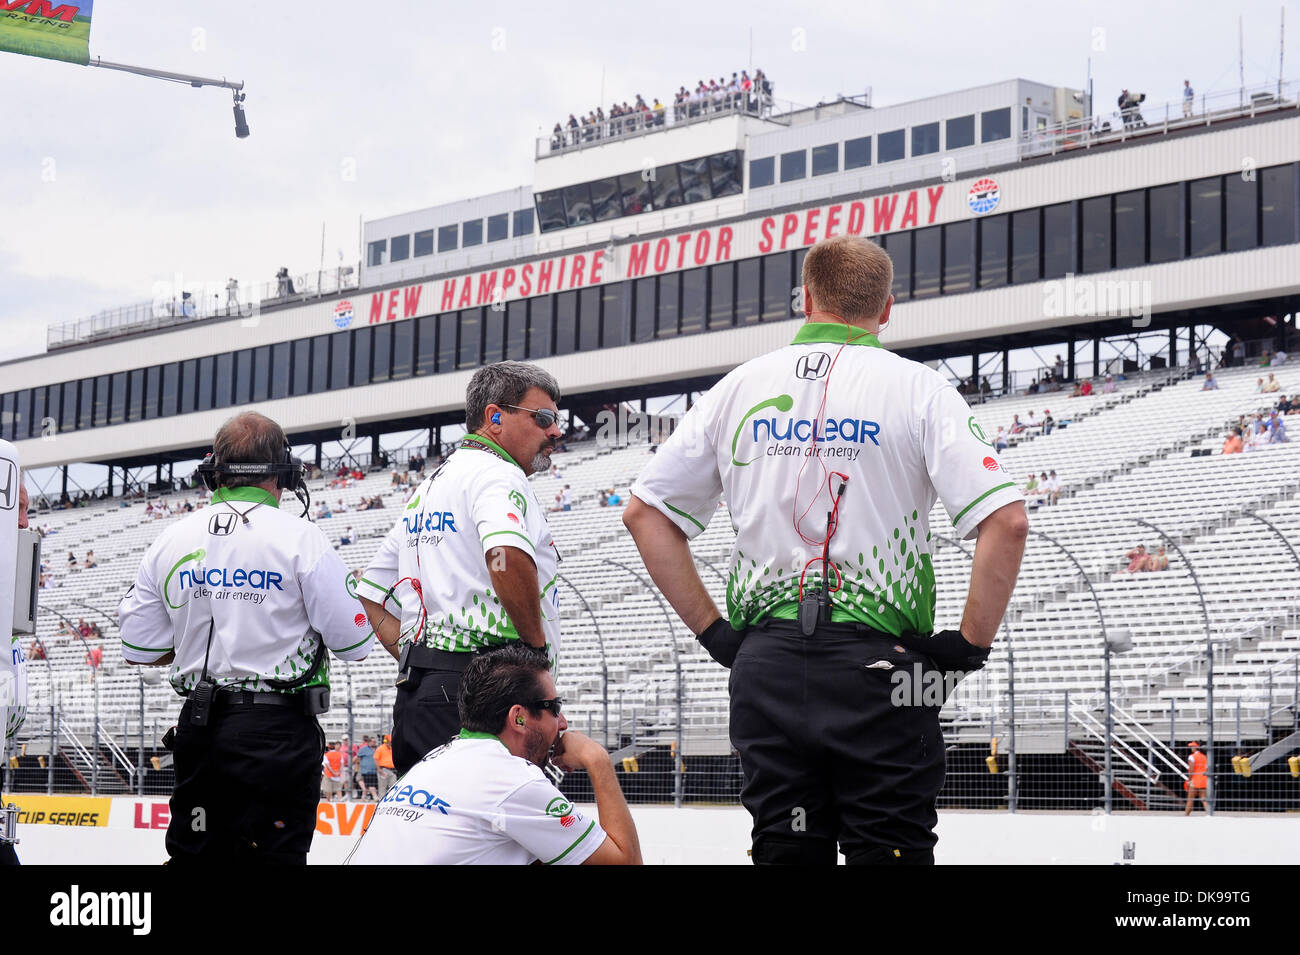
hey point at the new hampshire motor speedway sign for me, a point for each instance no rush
(638, 258)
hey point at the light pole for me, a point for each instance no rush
(677, 663)
(1209, 665)
(1121, 642)
(1012, 794)
(604, 663)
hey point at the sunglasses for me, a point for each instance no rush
(552, 704)
(544, 417)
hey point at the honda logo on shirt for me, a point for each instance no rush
(813, 366)
(222, 524)
(8, 485)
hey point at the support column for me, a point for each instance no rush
(1069, 360)
(1096, 356)
(1173, 347)
(157, 473)
(110, 480)
(375, 449)
(65, 479)
(1006, 371)
(318, 455)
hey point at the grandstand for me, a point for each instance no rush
(1217, 259)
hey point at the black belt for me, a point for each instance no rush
(248, 698)
(422, 657)
(777, 625)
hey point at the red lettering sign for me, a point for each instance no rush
(724, 243)
(392, 305)
(883, 208)
(376, 307)
(789, 226)
(810, 226)
(487, 283)
(411, 300)
(933, 195)
(638, 257)
(857, 216)
(527, 285)
(765, 230)
(448, 295)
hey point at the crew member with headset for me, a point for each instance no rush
(242, 599)
(830, 453)
(13, 664)
(469, 564)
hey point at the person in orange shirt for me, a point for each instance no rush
(1233, 444)
(384, 761)
(332, 780)
(1198, 777)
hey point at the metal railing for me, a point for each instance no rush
(1145, 120)
(186, 303)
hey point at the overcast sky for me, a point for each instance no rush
(114, 182)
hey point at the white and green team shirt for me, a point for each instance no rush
(476, 501)
(898, 429)
(471, 802)
(271, 589)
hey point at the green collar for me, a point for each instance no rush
(257, 495)
(834, 333)
(488, 442)
(473, 734)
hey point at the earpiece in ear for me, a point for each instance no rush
(496, 417)
(519, 721)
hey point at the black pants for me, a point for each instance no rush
(827, 755)
(247, 786)
(424, 715)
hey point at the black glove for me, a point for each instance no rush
(721, 642)
(948, 649)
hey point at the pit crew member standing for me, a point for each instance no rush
(831, 452)
(469, 564)
(242, 599)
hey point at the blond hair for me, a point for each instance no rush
(848, 276)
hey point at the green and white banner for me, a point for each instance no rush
(47, 28)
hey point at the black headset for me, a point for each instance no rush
(290, 473)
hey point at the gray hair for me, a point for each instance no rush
(504, 383)
(248, 438)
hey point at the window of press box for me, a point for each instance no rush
(891, 146)
(101, 402)
(925, 139)
(320, 365)
(189, 384)
(748, 285)
(85, 407)
(604, 199)
(694, 176)
(1241, 211)
(498, 227)
(577, 204)
(541, 326)
(471, 233)
(426, 359)
(523, 223)
(301, 362)
(566, 323)
(494, 335)
(635, 195)
(643, 323)
(1277, 199)
(995, 124)
(1130, 239)
(550, 210)
(958, 251)
(117, 404)
(994, 237)
(447, 237)
(423, 243)
(448, 326)
(667, 187)
(899, 247)
(725, 171)
(403, 349)
(517, 330)
(959, 132)
(616, 313)
(589, 319)
(381, 353)
(925, 262)
(261, 373)
(1095, 248)
(857, 152)
(375, 253)
(399, 248)
(1058, 240)
(694, 300)
(826, 159)
(761, 172)
(794, 165)
(1205, 216)
(1165, 225)
(470, 354)
(778, 290)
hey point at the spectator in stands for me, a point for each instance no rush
(1276, 429)
(384, 765)
(1158, 561)
(396, 481)
(376, 503)
(66, 630)
(1272, 386)
(1085, 389)
(332, 777)
(93, 659)
(1108, 388)
(1210, 383)
(36, 651)
(1259, 386)
(1233, 443)
(1279, 358)
(1189, 97)
(1197, 782)
(83, 628)
(72, 560)
(1052, 489)
(1016, 425)
(1137, 559)
(1238, 351)
(1058, 369)
(340, 507)
(1000, 439)
(346, 538)
(604, 499)
(1048, 421)
(555, 471)
(322, 511)
(1031, 487)
(364, 763)
(90, 560)
(615, 499)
